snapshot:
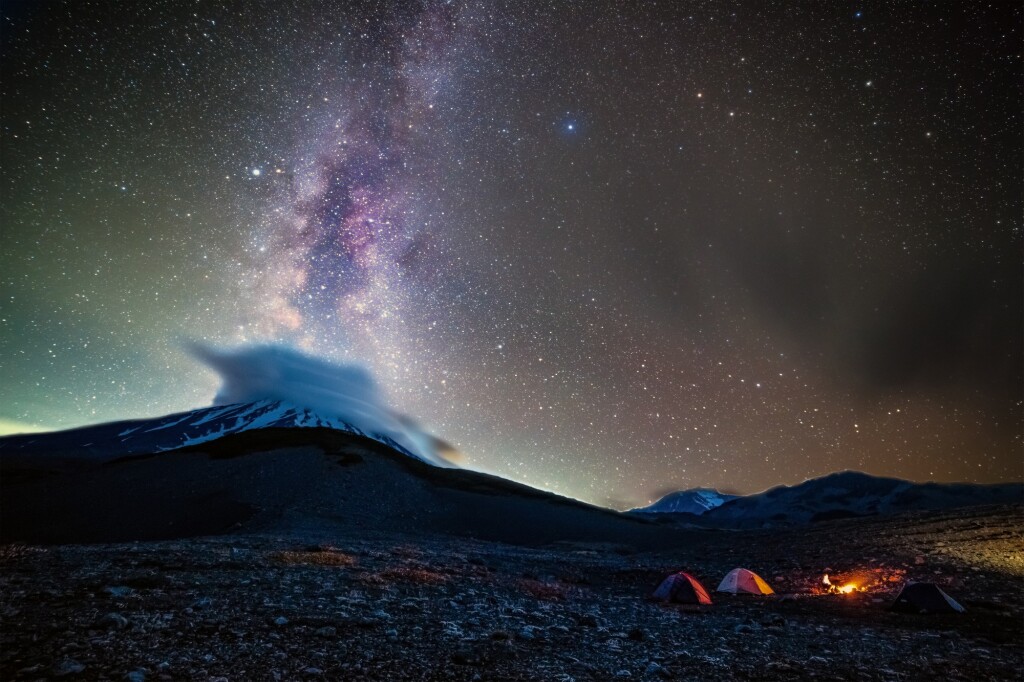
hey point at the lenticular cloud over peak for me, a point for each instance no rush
(254, 373)
(337, 391)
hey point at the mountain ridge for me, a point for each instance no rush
(846, 494)
(833, 496)
(110, 440)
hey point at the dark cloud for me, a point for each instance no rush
(949, 326)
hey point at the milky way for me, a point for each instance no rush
(352, 231)
(605, 249)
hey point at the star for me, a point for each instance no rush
(406, 208)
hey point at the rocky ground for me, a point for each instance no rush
(389, 607)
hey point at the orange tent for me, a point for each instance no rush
(742, 581)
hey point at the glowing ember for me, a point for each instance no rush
(847, 588)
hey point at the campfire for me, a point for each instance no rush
(845, 588)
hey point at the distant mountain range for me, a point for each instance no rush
(840, 495)
(693, 501)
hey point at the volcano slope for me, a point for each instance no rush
(334, 558)
(303, 482)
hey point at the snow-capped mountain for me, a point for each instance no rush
(117, 439)
(843, 494)
(693, 501)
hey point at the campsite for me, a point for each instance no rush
(388, 606)
(505, 341)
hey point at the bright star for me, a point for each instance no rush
(256, 172)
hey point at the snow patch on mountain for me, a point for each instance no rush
(693, 501)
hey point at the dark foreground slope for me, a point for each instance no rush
(303, 482)
(393, 608)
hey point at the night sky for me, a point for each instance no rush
(607, 249)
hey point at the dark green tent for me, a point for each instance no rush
(925, 598)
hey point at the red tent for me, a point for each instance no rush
(682, 588)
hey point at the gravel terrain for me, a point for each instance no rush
(387, 606)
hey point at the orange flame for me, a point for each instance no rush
(831, 588)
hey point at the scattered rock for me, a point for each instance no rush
(452, 629)
(113, 621)
(529, 632)
(654, 669)
(68, 666)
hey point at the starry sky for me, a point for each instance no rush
(607, 249)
